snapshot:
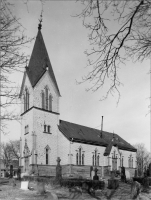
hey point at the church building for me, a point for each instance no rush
(45, 137)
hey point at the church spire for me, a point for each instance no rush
(40, 21)
(39, 61)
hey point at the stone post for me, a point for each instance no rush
(58, 170)
(11, 171)
(149, 169)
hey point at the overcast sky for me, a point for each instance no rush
(66, 40)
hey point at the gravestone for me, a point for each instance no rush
(18, 173)
(127, 174)
(135, 175)
(145, 171)
(92, 173)
(58, 170)
(24, 185)
(95, 177)
(123, 176)
(135, 189)
(112, 174)
(149, 169)
(11, 171)
(91, 169)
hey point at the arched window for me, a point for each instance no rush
(43, 100)
(26, 100)
(83, 159)
(95, 153)
(50, 102)
(47, 150)
(24, 103)
(122, 162)
(47, 156)
(46, 91)
(93, 160)
(98, 160)
(76, 158)
(80, 156)
(130, 162)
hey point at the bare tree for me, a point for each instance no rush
(143, 158)
(118, 30)
(10, 152)
(12, 58)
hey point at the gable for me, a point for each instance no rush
(24, 81)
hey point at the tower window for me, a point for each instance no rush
(46, 90)
(48, 129)
(26, 100)
(43, 100)
(26, 130)
(50, 103)
(45, 126)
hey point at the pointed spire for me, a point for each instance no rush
(39, 62)
(40, 21)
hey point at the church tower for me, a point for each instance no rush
(40, 109)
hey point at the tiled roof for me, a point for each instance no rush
(83, 134)
(39, 62)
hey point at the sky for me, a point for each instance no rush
(66, 40)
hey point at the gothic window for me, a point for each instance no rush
(45, 126)
(98, 160)
(80, 157)
(46, 91)
(47, 157)
(48, 129)
(46, 99)
(26, 130)
(130, 162)
(47, 152)
(77, 159)
(95, 158)
(43, 100)
(122, 162)
(83, 159)
(26, 100)
(50, 102)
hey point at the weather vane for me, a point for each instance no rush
(40, 21)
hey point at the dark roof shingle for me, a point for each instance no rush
(83, 134)
(39, 62)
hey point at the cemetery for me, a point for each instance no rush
(115, 186)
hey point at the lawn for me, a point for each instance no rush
(8, 192)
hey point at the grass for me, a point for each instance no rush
(8, 192)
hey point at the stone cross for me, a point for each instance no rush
(58, 170)
(58, 161)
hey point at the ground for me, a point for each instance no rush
(8, 192)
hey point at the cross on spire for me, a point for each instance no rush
(40, 21)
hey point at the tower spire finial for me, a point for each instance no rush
(40, 21)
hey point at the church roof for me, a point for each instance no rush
(83, 134)
(40, 62)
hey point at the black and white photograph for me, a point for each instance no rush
(75, 99)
